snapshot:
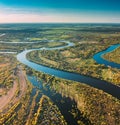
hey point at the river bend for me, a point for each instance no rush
(94, 82)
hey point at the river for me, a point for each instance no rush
(99, 57)
(94, 82)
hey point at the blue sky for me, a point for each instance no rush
(60, 11)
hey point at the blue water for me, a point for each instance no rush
(57, 98)
(96, 83)
(99, 57)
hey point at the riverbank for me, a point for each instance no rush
(75, 61)
(113, 56)
(99, 57)
(90, 101)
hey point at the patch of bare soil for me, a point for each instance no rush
(10, 97)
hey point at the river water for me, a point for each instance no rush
(67, 106)
(94, 82)
(99, 57)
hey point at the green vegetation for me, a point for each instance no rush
(77, 59)
(113, 56)
(25, 106)
(98, 106)
(6, 73)
(48, 113)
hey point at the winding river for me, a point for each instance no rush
(99, 57)
(96, 83)
(67, 106)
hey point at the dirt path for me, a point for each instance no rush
(5, 99)
(10, 97)
(22, 82)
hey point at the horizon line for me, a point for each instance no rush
(60, 23)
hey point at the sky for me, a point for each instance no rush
(61, 11)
